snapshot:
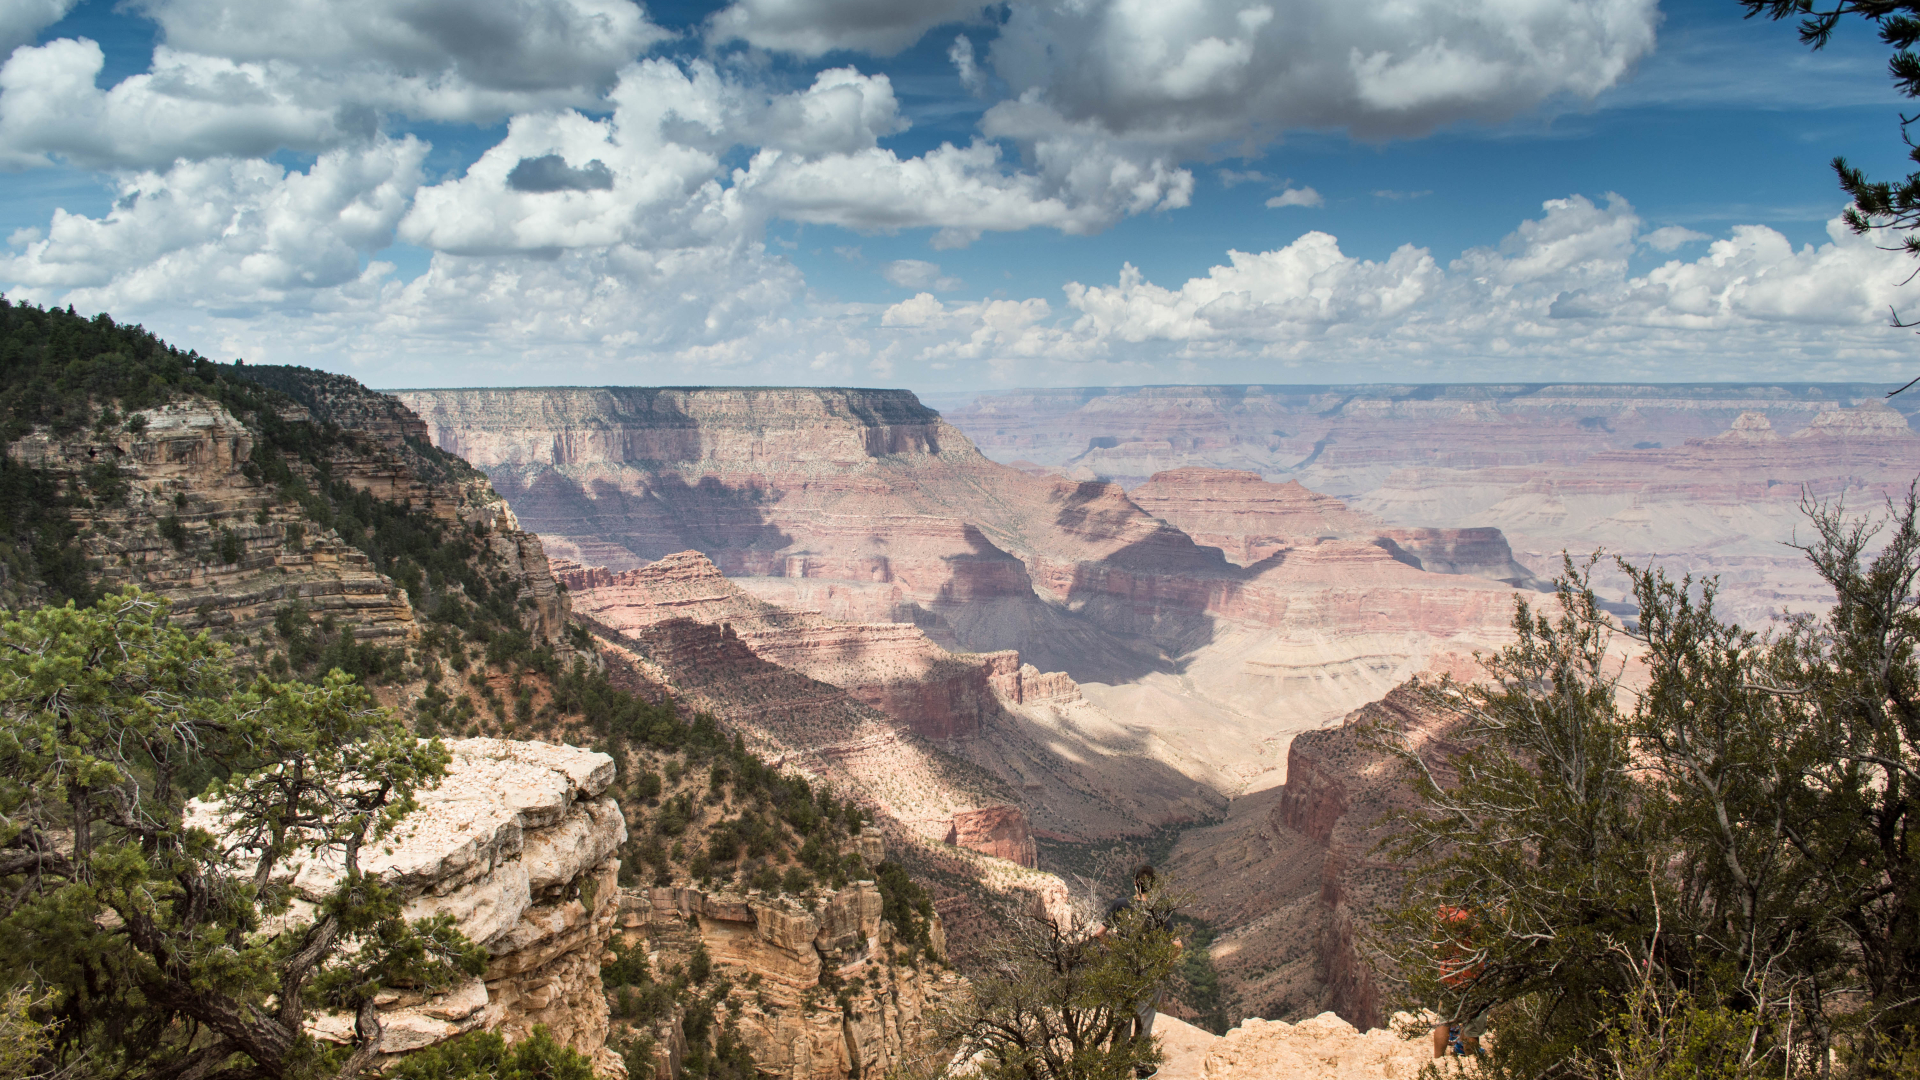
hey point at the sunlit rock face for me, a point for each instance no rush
(866, 507)
(1294, 873)
(791, 953)
(885, 710)
(516, 843)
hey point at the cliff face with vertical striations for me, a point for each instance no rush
(795, 1023)
(1294, 873)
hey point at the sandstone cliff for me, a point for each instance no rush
(1252, 520)
(1704, 478)
(818, 992)
(198, 520)
(1294, 873)
(1029, 736)
(517, 844)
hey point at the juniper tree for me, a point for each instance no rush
(1056, 1000)
(162, 947)
(1726, 846)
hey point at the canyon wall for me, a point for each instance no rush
(242, 549)
(1252, 521)
(931, 736)
(865, 506)
(1294, 873)
(1701, 478)
(832, 995)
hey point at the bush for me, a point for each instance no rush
(484, 1055)
(172, 531)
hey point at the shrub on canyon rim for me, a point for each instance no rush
(1056, 1001)
(1611, 871)
(157, 948)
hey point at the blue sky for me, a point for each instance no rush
(1621, 190)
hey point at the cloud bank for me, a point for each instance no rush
(265, 168)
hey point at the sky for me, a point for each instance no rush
(948, 196)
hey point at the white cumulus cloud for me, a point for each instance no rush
(22, 20)
(226, 234)
(813, 27)
(1196, 73)
(1300, 196)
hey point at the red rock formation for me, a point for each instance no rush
(863, 699)
(865, 505)
(1293, 873)
(892, 667)
(1252, 520)
(1000, 831)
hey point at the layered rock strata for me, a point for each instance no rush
(893, 667)
(1252, 521)
(187, 467)
(1347, 439)
(1323, 1047)
(1294, 872)
(865, 505)
(517, 844)
(832, 999)
(773, 673)
(240, 550)
(1698, 478)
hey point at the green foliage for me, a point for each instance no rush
(906, 904)
(484, 1055)
(56, 368)
(1877, 205)
(61, 372)
(1057, 1001)
(172, 531)
(700, 964)
(1199, 981)
(37, 532)
(25, 1043)
(146, 926)
(1726, 850)
(1670, 1037)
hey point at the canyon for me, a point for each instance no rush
(1706, 478)
(1029, 601)
(996, 657)
(866, 507)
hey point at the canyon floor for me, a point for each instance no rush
(1048, 621)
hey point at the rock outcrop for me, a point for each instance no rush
(1294, 872)
(773, 673)
(200, 524)
(832, 997)
(893, 667)
(188, 468)
(1252, 520)
(1322, 1047)
(1000, 831)
(1705, 478)
(517, 844)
